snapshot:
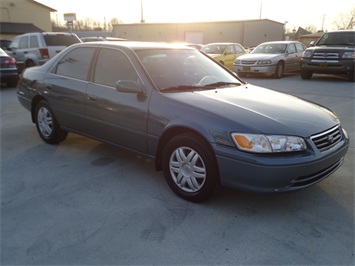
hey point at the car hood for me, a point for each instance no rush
(257, 109)
(258, 56)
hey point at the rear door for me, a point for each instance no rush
(113, 116)
(66, 86)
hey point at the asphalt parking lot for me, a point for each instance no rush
(87, 203)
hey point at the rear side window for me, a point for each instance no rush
(60, 39)
(300, 48)
(34, 42)
(76, 63)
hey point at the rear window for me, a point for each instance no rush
(60, 40)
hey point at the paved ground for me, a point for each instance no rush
(87, 203)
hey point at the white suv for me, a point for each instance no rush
(36, 48)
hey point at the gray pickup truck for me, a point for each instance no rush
(333, 53)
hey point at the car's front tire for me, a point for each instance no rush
(279, 71)
(47, 125)
(190, 167)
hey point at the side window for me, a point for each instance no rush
(291, 48)
(230, 49)
(238, 49)
(299, 47)
(34, 42)
(23, 42)
(111, 66)
(76, 63)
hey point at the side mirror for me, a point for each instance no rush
(313, 43)
(128, 86)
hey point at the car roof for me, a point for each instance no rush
(135, 45)
(221, 43)
(286, 42)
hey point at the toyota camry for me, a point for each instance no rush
(201, 124)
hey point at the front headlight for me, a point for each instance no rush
(268, 143)
(307, 54)
(237, 61)
(349, 55)
(264, 62)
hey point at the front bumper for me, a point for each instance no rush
(327, 66)
(270, 69)
(280, 172)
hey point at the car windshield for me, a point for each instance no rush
(270, 48)
(184, 69)
(214, 49)
(337, 38)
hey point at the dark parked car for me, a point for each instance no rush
(8, 69)
(200, 122)
(333, 53)
(5, 43)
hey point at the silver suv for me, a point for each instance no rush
(36, 48)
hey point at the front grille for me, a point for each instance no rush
(305, 181)
(248, 62)
(326, 55)
(327, 139)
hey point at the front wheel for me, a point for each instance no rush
(190, 167)
(47, 126)
(279, 71)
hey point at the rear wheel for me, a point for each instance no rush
(190, 167)
(47, 126)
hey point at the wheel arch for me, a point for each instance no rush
(35, 101)
(170, 134)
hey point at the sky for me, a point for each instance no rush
(300, 13)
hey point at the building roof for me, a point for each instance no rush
(50, 9)
(18, 28)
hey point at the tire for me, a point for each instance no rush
(279, 71)
(306, 74)
(30, 63)
(352, 76)
(47, 126)
(190, 167)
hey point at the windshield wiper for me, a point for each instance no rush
(181, 88)
(221, 84)
(210, 86)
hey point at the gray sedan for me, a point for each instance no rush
(271, 58)
(201, 124)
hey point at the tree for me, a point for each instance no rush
(346, 21)
(311, 28)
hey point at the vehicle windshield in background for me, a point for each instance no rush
(214, 49)
(337, 38)
(274, 48)
(180, 68)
